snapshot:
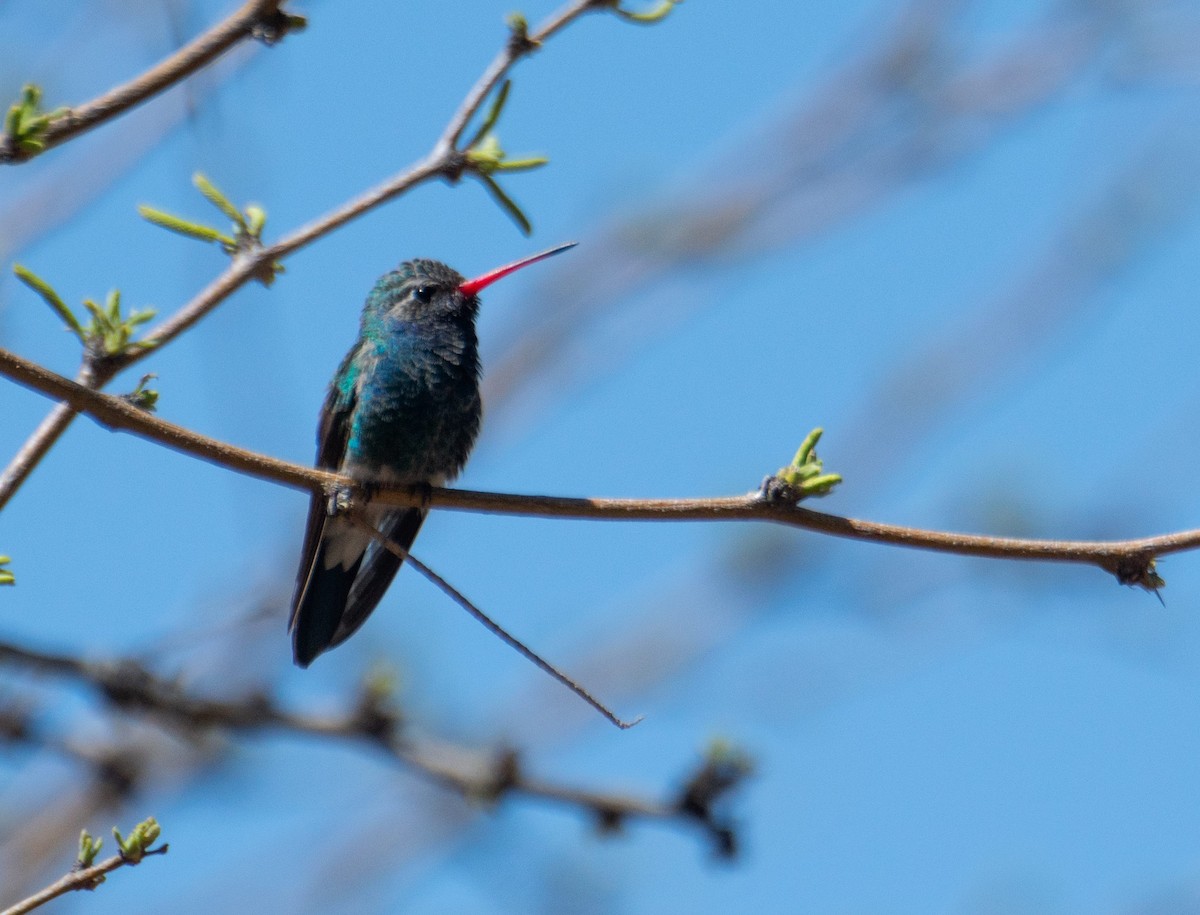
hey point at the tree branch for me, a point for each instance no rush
(87, 878)
(37, 445)
(1131, 561)
(131, 687)
(444, 161)
(247, 21)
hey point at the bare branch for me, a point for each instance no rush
(1131, 561)
(36, 447)
(247, 21)
(87, 878)
(470, 773)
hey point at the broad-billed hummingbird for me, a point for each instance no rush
(403, 408)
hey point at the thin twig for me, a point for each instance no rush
(490, 624)
(444, 161)
(513, 51)
(1126, 559)
(87, 878)
(36, 447)
(192, 57)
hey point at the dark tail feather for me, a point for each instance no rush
(378, 569)
(320, 607)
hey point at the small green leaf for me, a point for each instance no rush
(6, 575)
(25, 122)
(256, 218)
(486, 154)
(12, 121)
(142, 397)
(219, 200)
(487, 157)
(52, 298)
(657, 14)
(150, 830)
(806, 452)
(493, 114)
(137, 846)
(522, 165)
(185, 227)
(107, 333)
(247, 226)
(88, 849)
(380, 682)
(32, 125)
(821, 485)
(804, 477)
(723, 752)
(518, 25)
(31, 96)
(507, 204)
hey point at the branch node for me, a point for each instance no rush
(118, 774)
(609, 820)
(374, 715)
(519, 42)
(1137, 570)
(25, 126)
(272, 27)
(505, 775)
(142, 397)
(724, 768)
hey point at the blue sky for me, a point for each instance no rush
(997, 334)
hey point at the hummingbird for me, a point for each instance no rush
(403, 408)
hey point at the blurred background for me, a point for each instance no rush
(960, 236)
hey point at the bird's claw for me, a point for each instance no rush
(340, 500)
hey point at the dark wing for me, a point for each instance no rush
(379, 566)
(333, 434)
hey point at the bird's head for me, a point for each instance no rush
(429, 291)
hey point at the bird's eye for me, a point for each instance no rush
(423, 294)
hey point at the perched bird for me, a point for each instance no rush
(403, 408)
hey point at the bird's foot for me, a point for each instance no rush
(340, 499)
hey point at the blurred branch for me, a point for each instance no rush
(1007, 336)
(261, 19)
(103, 777)
(473, 774)
(445, 161)
(359, 520)
(87, 876)
(915, 102)
(1131, 561)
